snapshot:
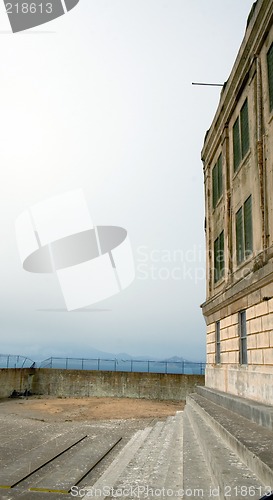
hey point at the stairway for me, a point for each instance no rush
(220, 447)
(148, 466)
(228, 446)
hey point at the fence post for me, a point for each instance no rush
(131, 365)
(66, 363)
(7, 361)
(98, 364)
(148, 366)
(166, 367)
(115, 365)
(82, 363)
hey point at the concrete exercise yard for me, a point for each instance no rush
(50, 444)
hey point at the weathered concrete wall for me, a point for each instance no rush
(115, 384)
(252, 382)
(81, 383)
(18, 379)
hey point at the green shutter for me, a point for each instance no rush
(270, 75)
(220, 178)
(217, 182)
(236, 145)
(239, 236)
(244, 129)
(248, 227)
(214, 186)
(219, 259)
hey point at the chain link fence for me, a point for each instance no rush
(14, 361)
(120, 365)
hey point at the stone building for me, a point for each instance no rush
(238, 174)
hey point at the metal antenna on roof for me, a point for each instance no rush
(209, 84)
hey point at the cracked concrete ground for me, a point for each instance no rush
(27, 424)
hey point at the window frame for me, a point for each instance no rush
(240, 136)
(217, 343)
(244, 231)
(219, 264)
(243, 358)
(217, 181)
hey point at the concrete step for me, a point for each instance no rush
(197, 481)
(252, 443)
(156, 468)
(103, 486)
(231, 478)
(158, 465)
(258, 413)
(149, 468)
(174, 476)
(139, 470)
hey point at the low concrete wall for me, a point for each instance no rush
(81, 383)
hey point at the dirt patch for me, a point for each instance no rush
(83, 409)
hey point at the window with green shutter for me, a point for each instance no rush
(244, 129)
(219, 258)
(240, 136)
(239, 236)
(236, 145)
(248, 227)
(217, 181)
(270, 75)
(214, 186)
(244, 232)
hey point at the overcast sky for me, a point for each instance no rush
(101, 99)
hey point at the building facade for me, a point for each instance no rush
(238, 174)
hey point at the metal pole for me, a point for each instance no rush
(208, 84)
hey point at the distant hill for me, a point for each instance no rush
(93, 353)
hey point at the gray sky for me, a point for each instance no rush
(101, 98)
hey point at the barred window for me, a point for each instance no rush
(218, 343)
(243, 337)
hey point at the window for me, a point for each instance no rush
(218, 343)
(240, 136)
(217, 183)
(270, 75)
(219, 258)
(243, 337)
(244, 239)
